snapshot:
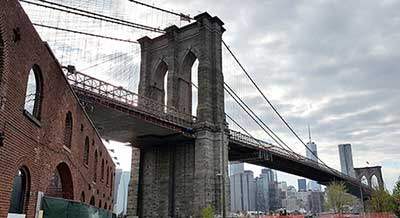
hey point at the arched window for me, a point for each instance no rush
(160, 85)
(1, 56)
(86, 151)
(100, 204)
(34, 92)
(92, 201)
(20, 193)
(105, 206)
(68, 130)
(108, 175)
(374, 182)
(102, 169)
(83, 197)
(188, 84)
(96, 159)
(364, 180)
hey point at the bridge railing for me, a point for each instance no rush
(132, 100)
(246, 139)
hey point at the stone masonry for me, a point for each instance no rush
(180, 180)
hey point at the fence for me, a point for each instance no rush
(61, 208)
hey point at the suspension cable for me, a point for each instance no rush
(187, 17)
(92, 15)
(85, 33)
(256, 119)
(270, 104)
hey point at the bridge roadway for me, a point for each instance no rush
(123, 116)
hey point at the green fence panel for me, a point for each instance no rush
(62, 208)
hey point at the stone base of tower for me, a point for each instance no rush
(181, 180)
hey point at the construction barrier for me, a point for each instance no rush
(62, 208)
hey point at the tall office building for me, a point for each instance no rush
(302, 185)
(346, 159)
(263, 189)
(312, 154)
(243, 188)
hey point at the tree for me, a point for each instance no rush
(207, 212)
(337, 197)
(381, 201)
(396, 198)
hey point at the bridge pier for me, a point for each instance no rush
(181, 179)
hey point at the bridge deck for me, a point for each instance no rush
(119, 115)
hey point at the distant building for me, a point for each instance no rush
(316, 202)
(235, 168)
(243, 188)
(312, 154)
(121, 191)
(346, 159)
(265, 184)
(302, 186)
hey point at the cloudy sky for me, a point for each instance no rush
(331, 64)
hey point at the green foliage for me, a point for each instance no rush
(337, 197)
(381, 201)
(396, 199)
(207, 212)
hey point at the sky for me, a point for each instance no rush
(331, 64)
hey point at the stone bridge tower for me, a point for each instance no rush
(179, 179)
(368, 173)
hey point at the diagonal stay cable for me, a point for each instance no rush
(88, 14)
(271, 105)
(85, 33)
(240, 102)
(256, 119)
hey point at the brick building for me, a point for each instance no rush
(47, 142)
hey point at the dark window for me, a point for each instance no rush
(92, 201)
(100, 204)
(1, 57)
(83, 197)
(68, 130)
(20, 192)
(96, 159)
(108, 175)
(102, 169)
(33, 92)
(86, 151)
(105, 206)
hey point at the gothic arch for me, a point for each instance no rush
(185, 80)
(369, 173)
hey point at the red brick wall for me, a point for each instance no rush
(40, 148)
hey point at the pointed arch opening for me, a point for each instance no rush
(364, 180)
(374, 182)
(61, 184)
(160, 84)
(33, 92)
(20, 192)
(188, 84)
(68, 130)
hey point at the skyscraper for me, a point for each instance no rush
(312, 154)
(302, 186)
(243, 188)
(346, 159)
